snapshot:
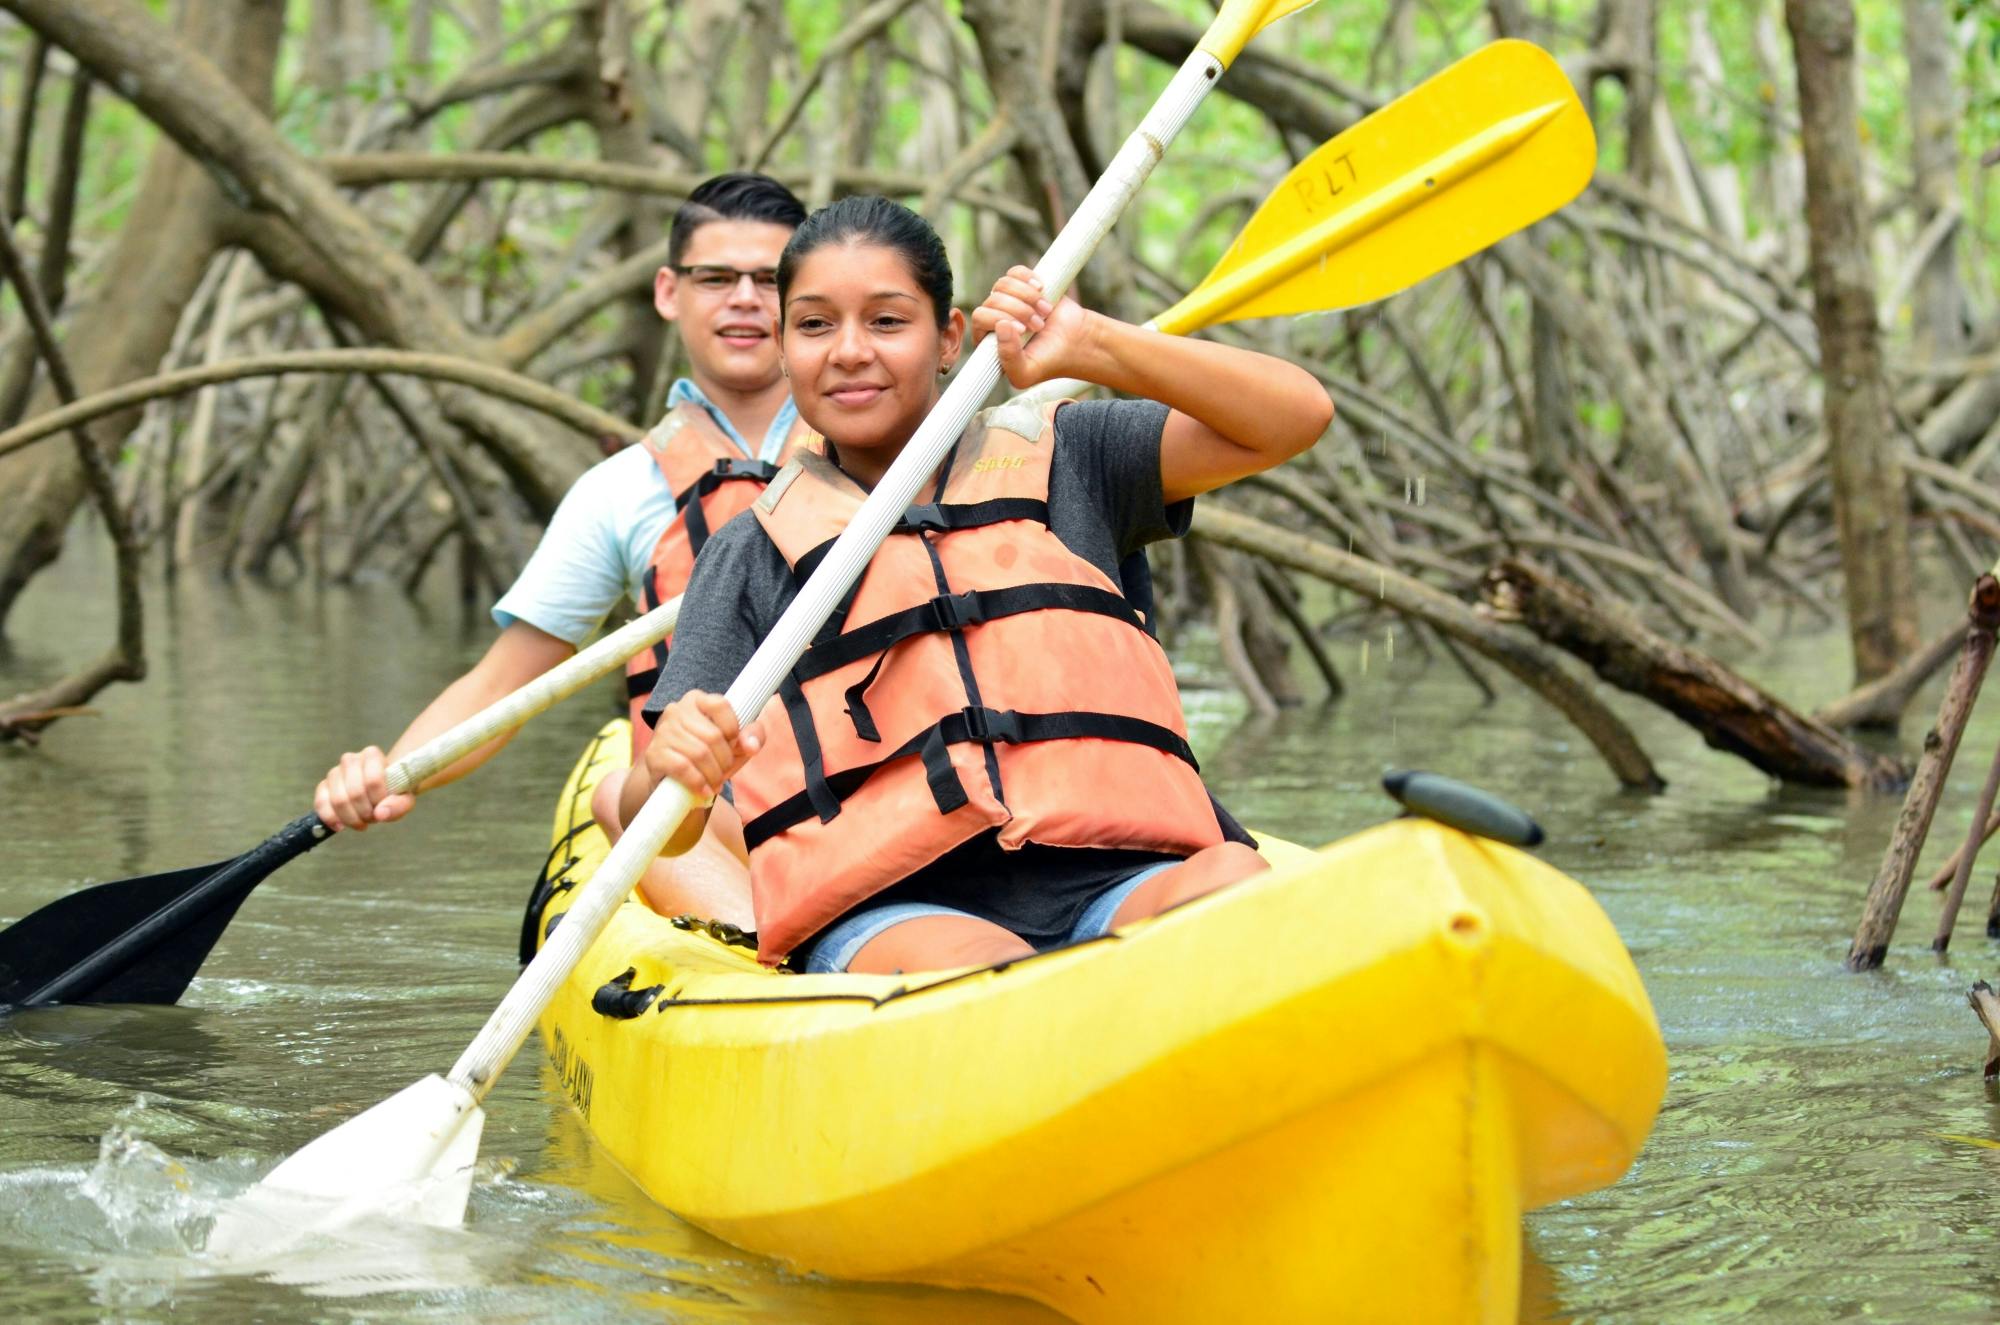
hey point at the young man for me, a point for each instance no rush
(632, 524)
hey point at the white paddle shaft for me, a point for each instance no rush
(546, 690)
(511, 1023)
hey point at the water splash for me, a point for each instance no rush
(138, 1220)
(150, 1200)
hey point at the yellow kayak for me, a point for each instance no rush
(1326, 1093)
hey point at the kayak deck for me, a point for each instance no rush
(1330, 1089)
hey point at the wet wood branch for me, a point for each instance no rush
(426, 428)
(1880, 703)
(192, 102)
(863, 27)
(25, 716)
(1284, 597)
(1701, 600)
(563, 62)
(201, 428)
(367, 169)
(1537, 667)
(1796, 331)
(532, 333)
(1968, 853)
(989, 145)
(1230, 628)
(1730, 713)
(1010, 51)
(1663, 448)
(538, 396)
(1986, 1006)
(1941, 877)
(1293, 93)
(21, 142)
(53, 268)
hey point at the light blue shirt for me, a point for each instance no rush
(596, 548)
(685, 392)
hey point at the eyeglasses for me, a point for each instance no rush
(721, 280)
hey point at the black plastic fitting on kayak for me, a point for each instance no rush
(619, 999)
(1462, 806)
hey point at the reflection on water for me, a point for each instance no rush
(1817, 1157)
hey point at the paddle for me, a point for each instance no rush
(141, 940)
(412, 1154)
(1480, 150)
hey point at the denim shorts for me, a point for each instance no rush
(836, 947)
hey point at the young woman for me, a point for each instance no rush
(983, 754)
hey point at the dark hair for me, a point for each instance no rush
(880, 223)
(738, 196)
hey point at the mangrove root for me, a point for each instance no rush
(1730, 713)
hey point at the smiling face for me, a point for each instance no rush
(864, 348)
(730, 330)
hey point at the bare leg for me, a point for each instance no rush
(1197, 876)
(935, 943)
(710, 880)
(930, 943)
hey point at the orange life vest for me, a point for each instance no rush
(981, 675)
(712, 482)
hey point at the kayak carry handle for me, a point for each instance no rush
(1462, 806)
(619, 1000)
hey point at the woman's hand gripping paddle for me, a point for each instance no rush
(141, 940)
(412, 1154)
(1484, 148)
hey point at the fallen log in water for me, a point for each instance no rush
(1526, 660)
(1730, 712)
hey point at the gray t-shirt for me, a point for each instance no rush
(1105, 503)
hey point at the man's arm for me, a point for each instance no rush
(355, 792)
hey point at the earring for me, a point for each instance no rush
(944, 369)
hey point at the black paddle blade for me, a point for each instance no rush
(41, 946)
(137, 940)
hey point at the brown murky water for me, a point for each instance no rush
(1819, 1156)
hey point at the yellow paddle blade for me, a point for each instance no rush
(1239, 21)
(1492, 144)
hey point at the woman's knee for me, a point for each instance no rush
(1226, 862)
(604, 803)
(1197, 876)
(935, 943)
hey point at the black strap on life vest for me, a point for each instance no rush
(961, 656)
(940, 519)
(942, 613)
(819, 796)
(641, 683)
(957, 610)
(688, 500)
(917, 520)
(934, 518)
(983, 726)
